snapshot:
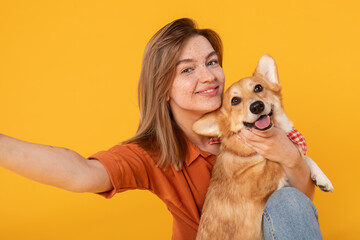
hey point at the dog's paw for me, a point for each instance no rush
(322, 182)
(318, 177)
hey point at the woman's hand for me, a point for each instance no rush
(276, 146)
(273, 145)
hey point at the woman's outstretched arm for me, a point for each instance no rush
(56, 166)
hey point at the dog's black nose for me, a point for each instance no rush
(257, 107)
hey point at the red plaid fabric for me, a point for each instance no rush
(214, 140)
(294, 135)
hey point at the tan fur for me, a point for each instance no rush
(241, 179)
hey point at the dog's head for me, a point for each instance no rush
(250, 103)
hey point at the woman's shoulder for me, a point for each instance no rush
(140, 150)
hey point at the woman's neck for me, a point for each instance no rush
(185, 122)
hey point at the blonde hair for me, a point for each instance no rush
(158, 132)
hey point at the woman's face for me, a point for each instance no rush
(199, 80)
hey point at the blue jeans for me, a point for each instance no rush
(290, 215)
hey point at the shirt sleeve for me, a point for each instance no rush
(128, 167)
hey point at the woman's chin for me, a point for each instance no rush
(212, 107)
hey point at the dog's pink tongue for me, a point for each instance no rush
(263, 122)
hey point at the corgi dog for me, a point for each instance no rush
(242, 180)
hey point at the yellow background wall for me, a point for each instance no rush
(68, 77)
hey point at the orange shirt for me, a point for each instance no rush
(183, 192)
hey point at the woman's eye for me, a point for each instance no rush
(214, 62)
(235, 101)
(258, 88)
(186, 70)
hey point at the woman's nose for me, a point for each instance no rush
(206, 75)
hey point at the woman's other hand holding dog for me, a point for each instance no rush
(276, 146)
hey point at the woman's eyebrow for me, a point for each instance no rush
(191, 60)
(211, 54)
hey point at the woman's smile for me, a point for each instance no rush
(208, 92)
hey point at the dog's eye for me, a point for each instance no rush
(258, 88)
(235, 101)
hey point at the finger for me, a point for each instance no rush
(259, 150)
(266, 134)
(250, 136)
(259, 146)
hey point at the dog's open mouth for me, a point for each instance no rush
(263, 123)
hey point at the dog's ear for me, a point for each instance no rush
(267, 68)
(208, 125)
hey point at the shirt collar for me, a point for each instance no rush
(194, 152)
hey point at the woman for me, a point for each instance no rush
(181, 80)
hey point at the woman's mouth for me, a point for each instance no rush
(208, 92)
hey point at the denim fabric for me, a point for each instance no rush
(290, 215)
